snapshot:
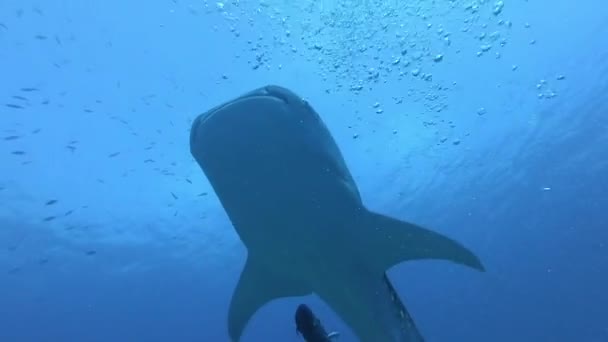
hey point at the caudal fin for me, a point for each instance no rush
(393, 241)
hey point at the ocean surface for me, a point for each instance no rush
(484, 120)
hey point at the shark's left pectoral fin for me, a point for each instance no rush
(257, 286)
(392, 241)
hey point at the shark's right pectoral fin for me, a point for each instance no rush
(257, 286)
(393, 241)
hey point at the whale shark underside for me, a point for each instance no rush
(293, 202)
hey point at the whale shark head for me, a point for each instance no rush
(286, 188)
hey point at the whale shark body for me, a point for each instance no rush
(284, 184)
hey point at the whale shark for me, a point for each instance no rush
(285, 186)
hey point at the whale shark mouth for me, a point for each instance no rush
(273, 93)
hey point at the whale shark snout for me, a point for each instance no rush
(286, 188)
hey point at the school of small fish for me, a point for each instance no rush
(399, 57)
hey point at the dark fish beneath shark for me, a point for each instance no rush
(310, 327)
(287, 190)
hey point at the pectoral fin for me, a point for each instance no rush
(392, 241)
(257, 286)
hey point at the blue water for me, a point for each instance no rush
(501, 143)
